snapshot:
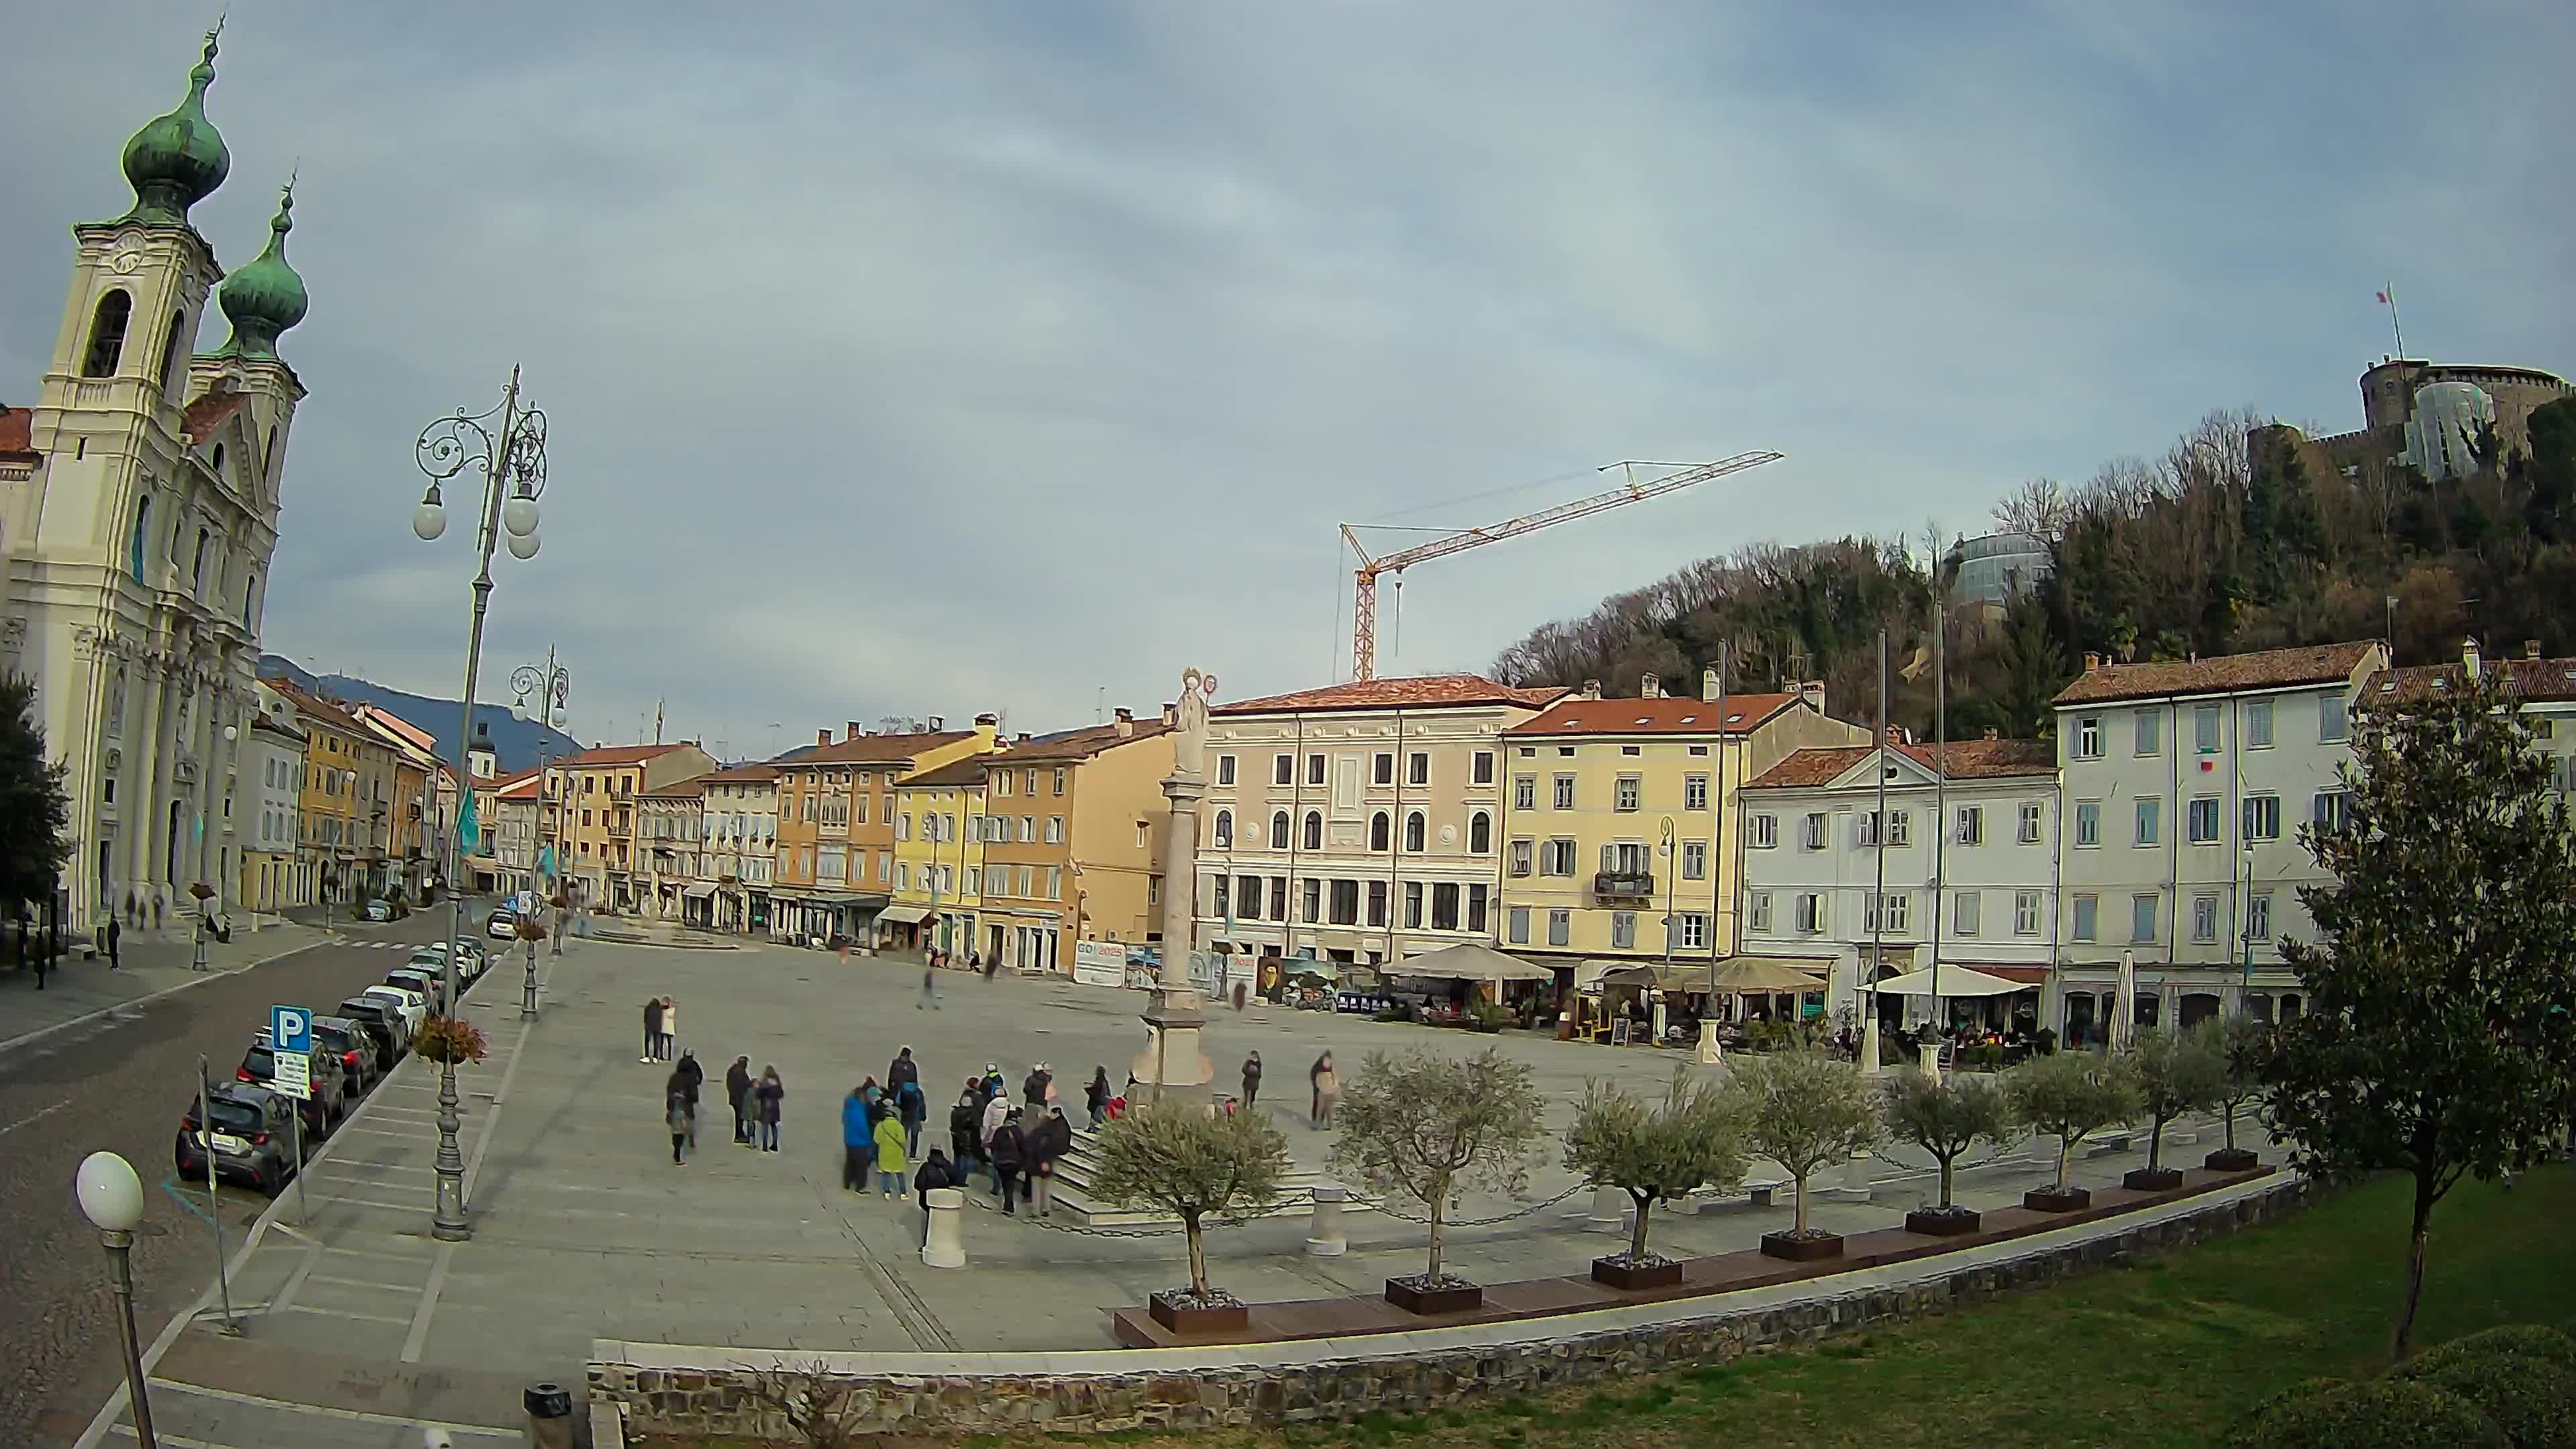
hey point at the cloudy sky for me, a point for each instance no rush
(930, 359)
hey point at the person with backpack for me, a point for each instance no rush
(912, 1109)
(771, 1094)
(1048, 1142)
(1010, 1148)
(966, 1134)
(675, 1115)
(858, 1140)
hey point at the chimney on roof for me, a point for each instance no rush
(1813, 692)
(938, 722)
(1896, 734)
(2092, 662)
(824, 737)
(849, 731)
(1650, 686)
(1592, 689)
(988, 718)
(1022, 739)
(1171, 715)
(2530, 648)
(2469, 657)
(1126, 719)
(1708, 684)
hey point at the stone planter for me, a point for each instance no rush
(1792, 1248)
(1180, 1313)
(2051, 1200)
(1943, 1222)
(2151, 1179)
(1443, 1295)
(1618, 1272)
(2231, 1159)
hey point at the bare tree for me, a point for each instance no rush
(813, 1408)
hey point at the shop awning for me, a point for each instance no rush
(1647, 975)
(1469, 961)
(699, 890)
(903, 915)
(1759, 974)
(1955, 981)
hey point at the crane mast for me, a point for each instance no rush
(1365, 577)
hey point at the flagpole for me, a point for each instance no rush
(2388, 294)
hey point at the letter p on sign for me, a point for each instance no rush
(290, 1029)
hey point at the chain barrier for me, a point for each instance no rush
(1355, 1199)
(1055, 1227)
(1395, 1212)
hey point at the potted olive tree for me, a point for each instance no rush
(2066, 1096)
(1945, 1116)
(1692, 1140)
(1802, 1109)
(2244, 1043)
(1425, 1126)
(1194, 1164)
(2175, 1074)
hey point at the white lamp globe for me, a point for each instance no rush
(428, 521)
(519, 516)
(523, 545)
(111, 1196)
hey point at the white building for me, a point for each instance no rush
(1969, 855)
(510, 829)
(137, 523)
(2546, 689)
(1300, 849)
(739, 836)
(272, 821)
(2185, 785)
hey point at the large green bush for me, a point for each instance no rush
(2528, 1398)
(2520, 1340)
(2388, 1413)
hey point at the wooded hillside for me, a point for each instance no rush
(2212, 548)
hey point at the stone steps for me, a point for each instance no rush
(1072, 1194)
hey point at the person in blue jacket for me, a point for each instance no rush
(858, 1142)
(912, 1109)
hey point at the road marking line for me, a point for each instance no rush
(175, 1441)
(362, 1416)
(35, 1117)
(336, 1313)
(428, 1303)
(391, 1207)
(295, 1281)
(366, 1283)
(373, 1131)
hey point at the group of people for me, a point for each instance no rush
(661, 1028)
(1017, 1144)
(1323, 1087)
(755, 1101)
(881, 1130)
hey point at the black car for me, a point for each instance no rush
(355, 1046)
(253, 1138)
(326, 1100)
(382, 1018)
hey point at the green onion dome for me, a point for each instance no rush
(264, 297)
(178, 160)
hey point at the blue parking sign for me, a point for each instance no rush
(291, 1029)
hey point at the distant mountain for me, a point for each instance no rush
(521, 744)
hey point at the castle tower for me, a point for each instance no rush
(137, 549)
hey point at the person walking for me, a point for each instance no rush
(112, 933)
(1034, 1088)
(1010, 1157)
(675, 1115)
(670, 1026)
(966, 1133)
(738, 1095)
(931, 1175)
(1048, 1143)
(770, 1093)
(684, 1080)
(997, 1110)
(1095, 1098)
(652, 1030)
(1251, 1080)
(892, 1163)
(901, 1070)
(857, 1138)
(1327, 1086)
(929, 987)
(913, 1109)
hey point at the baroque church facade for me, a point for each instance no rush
(138, 515)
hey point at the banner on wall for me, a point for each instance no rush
(1100, 963)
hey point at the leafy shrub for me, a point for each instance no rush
(1490, 1015)
(2528, 1398)
(2377, 1414)
(2519, 1340)
(1393, 1013)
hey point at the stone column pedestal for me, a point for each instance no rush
(1610, 1208)
(947, 1246)
(1929, 1054)
(1324, 1237)
(1710, 1053)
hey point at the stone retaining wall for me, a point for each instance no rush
(717, 1398)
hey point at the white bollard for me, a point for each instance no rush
(1930, 1055)
(1610, 1209)
(947, 1247)
(1709, 1051)
(1324, 1237)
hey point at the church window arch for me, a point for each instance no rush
(170, 352)
(107, 334)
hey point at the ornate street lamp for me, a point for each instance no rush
(511, 455)
(111, 1197)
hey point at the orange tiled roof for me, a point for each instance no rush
(1968, 760)
(1737, 714)
(877, 749)
(2264, 669)
(694, 785)
(1418, 692)
(617, 755)
(744, 775)
(18, 431)
(313, 704)
(519, 787)
(2529, 679)
(967, 773)
(208, 413)
(1076, 744)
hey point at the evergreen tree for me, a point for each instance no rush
(35, 813)
(2438, 1040)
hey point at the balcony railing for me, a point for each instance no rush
(1623, 885)
(620, 832)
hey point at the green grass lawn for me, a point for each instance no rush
(2167, 1352)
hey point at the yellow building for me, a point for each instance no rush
(1071, 828)
(1620, 813)
(938, 859)
(347, 768)
(591, 802)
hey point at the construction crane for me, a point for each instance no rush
(1364, 604)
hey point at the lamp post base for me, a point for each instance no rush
(1174, 1065)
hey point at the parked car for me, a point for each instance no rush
(431, 984)
(503, 925)
(387, 1020)
(414, 1005)
(380, 911)
(324, 1076)
(362, 1058)
(471, 959)
(252, 1139)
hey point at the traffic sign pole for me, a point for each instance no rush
(290, 1052)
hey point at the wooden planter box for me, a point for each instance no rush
(1934, 1223)
(1413, 1298)
(2050, 1200)
(2151, 1179)
(1801, 1250)
(1232, 1318)
(2231, 1159)
(1612, 1273)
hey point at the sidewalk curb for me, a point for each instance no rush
(23, 1038)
